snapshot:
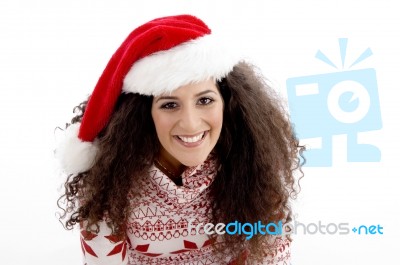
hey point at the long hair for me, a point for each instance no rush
(257, 150)
(127, 147)
(259, 153)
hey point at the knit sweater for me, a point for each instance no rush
(162, 226)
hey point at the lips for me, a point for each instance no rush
(192, 140)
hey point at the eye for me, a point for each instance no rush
(205, 101)
(169, 105)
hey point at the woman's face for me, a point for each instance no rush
(188, 122)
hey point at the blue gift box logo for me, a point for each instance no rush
(345, 102)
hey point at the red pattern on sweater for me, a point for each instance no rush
(157, 230)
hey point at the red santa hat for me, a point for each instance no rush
(156, 58)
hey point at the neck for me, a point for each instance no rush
(170, 164)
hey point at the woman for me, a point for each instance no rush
(177, 137)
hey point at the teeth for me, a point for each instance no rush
(191, 139)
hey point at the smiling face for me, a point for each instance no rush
(188, 123)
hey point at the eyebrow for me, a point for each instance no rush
(197, 95)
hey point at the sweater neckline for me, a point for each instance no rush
(194, 180)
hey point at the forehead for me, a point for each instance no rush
(192, 89)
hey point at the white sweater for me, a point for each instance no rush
(157, 230)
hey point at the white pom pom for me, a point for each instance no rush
(74, 155)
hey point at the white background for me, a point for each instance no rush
(52, 52)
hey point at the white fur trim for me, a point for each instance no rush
(193, 61)
(75, 155)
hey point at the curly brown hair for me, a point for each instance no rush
(257, 148)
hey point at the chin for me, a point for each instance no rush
(193, 162)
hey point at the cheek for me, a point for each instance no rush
(163, 124)
(216, 119)
(158, 122)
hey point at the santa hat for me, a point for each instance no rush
(157, 57)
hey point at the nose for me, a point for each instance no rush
(190, 119)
